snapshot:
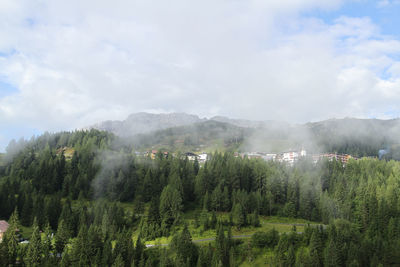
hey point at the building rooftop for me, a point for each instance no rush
(3, 226)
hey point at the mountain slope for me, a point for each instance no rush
(359, 137)
(207, 135)
(142, 122)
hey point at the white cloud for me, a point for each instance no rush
(387, 3)
(76, 63)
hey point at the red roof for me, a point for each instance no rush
(3, 226)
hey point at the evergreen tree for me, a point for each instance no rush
(303, 258)
(47, 246)
(34, 253)
(185, 249)
(10, 239)
(239, 217)
(291, 258)
(170, 207)
(119, 261)
(139, 248)
(79, 254)
(62, 236)
(315, 249)
(107, 258)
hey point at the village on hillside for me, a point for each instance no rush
(289, 157)
(292, 156)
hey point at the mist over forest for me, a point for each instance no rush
(200, 133)
(90, 197)
(357, 137)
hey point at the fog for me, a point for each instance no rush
(67, 66)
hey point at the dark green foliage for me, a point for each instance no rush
(186, 251)
(151, 225)
(239, 215)
(223, 245)
(56, 177)
(138, 253)
(268, 239)
(170, 207)
(34, 253)
(62, 236)
(9, 244)
(124, 247)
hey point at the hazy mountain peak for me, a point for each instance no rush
(144, 122)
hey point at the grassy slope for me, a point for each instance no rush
(267, 223)
(281, 224)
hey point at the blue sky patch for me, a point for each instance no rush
(16, 132)
(386, 17)
(7, 89)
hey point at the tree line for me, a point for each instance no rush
(81, 199)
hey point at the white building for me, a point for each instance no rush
(203, 157)
(291, 157)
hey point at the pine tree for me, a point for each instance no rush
(170, 207)
(291, 258)
(226, 201)
(94, 243)
(65, 260)
(79, 254)
(222, 246)
(231, 258)
(62, 236)
(303, 258)
(206, 202)
(34, 253)
(139, 248)
(47, 244)
(27, 209)
(315, 249)
(331, 255)
(107, 258)
(119, 261)
(124, 246)
(239, 216)
(10, 239)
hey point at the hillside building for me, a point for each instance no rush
(202, 157)
(343, 158)
(191, 156)
(292, 156)
(3, 228)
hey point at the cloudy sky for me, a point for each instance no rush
(69, 64)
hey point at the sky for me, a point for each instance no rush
(69, 64)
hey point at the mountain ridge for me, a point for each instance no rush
(144, 122)
(360, 137)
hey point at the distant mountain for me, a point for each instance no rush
(140, 123)
(359, 137)
(357, 127)
(250, 123)
(239, 122)
(362, 137)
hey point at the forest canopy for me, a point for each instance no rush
(103, 202)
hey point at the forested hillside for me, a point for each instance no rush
(103, 203)
(209, 135)
(179, 131)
